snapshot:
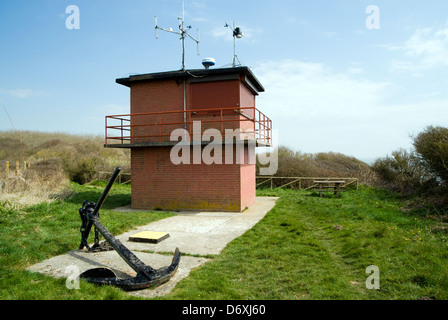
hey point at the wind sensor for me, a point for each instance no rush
(183, 34)
(237, 33)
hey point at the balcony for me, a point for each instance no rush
(156, 128)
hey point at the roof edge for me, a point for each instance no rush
(192, 73)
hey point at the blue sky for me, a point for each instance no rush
(331, 83)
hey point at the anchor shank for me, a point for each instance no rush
(131, 259)
(106, 190)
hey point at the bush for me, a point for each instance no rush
(81, 170)
(432, 146)
(403, 171)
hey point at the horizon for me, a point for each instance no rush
(357, 79)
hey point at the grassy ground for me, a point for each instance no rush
(305, 248)
(300, 251)
(39, 232)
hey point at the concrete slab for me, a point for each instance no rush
(200, 233)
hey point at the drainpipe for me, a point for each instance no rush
(185, 105)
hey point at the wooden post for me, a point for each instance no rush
(17, 167)
(336, 189)
(7, 176)
(24, 165)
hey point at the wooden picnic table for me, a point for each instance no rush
(325, 185)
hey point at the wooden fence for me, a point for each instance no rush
(299, 182)
(280, 182)
(123, 177)
(13, 166)
(10, 170)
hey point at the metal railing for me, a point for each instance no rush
(304, 183)
(158, 126)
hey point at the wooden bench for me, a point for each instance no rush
(335, 186)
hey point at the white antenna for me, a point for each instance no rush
(183, 34)
(237, 33)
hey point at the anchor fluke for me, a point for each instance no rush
(106, 276)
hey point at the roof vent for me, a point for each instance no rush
(208, 62)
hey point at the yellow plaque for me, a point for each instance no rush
(149, 236)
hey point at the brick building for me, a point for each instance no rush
(193, 101)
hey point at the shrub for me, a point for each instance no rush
(432, 146)
(403, 171)
(81, 170)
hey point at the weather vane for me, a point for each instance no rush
(183, 32)
(237, 33)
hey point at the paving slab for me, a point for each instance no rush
(198, 233)
(201, 233)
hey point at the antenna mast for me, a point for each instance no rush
(237, 33)
(183, 34)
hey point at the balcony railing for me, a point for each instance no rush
(157, 127)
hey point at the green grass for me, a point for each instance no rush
(49, 229)
(295, 252)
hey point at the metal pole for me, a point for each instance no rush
(121, 130)
(183, 36)
(185, 105)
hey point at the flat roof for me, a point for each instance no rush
(196, 74)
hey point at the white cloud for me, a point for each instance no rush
(316, 89)
(316, 109)
(425, 49)
(222, 33)
(353, 70)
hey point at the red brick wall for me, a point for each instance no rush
(216, 94)
(167, 95)
(157, 96)
(247, 98)
(159, 184)
(156, 181)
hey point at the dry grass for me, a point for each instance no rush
(33, 186)
(297, 164)
(55, 158)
